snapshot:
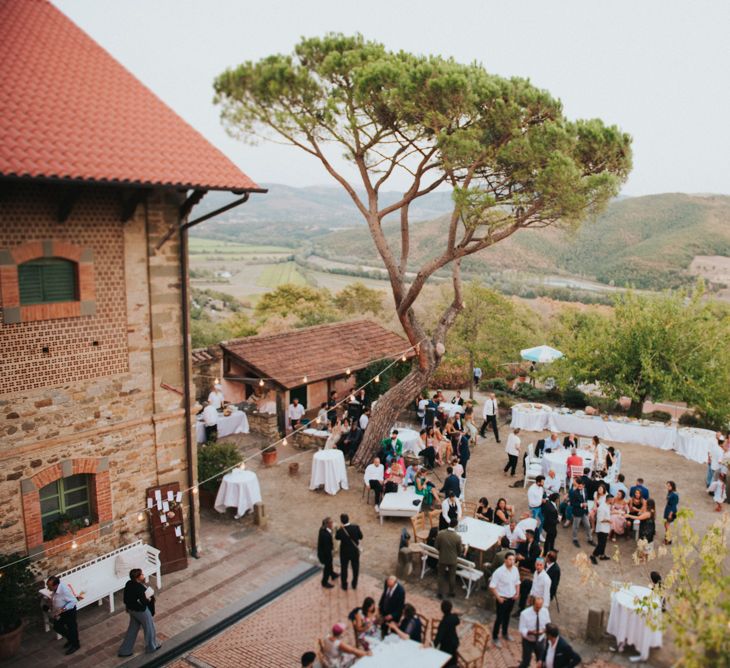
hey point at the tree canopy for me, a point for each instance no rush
(664, 347)
(504, 147)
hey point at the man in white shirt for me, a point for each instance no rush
(374, 476)
(552, 484)
(210, 420)
(477, 376)
(489, 413)
(535, 497)
(421, 411)
(541, 583)
(63, 611)
(512, 448)
(515, 534)
(364, 419)
(216, 396)
(619, 485)
(296, 412)
(553, 443)
(504, 585)
(532, 629)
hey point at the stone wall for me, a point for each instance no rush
(264, 424)
(117, 405)
(308, 441)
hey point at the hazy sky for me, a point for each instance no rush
(659, 69)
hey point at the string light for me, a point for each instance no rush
(195, 489)
(304, 379)
(403, 359)
(352, 398)
(261, 383)
(347, 371)
(242, 466)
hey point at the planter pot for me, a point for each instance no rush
(269, 457)
(10, 642)
(207, 498)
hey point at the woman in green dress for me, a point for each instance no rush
(426, 489)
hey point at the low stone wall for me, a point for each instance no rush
(264, 424)
(308, 441)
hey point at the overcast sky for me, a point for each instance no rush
(659, 69)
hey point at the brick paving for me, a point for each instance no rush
(280, 633)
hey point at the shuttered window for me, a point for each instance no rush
(68, 498)
(47, 280)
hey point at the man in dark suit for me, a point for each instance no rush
(325, 545)
(550, 519)
(392, 601)
(553, 570)
(451, 483)
(352, 440)
(349, 536)
(579, 505)
(570, 442)
(558, 649)
(463, 453)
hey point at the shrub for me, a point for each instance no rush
(18, 591)
(658, 416)
(506, 402)
(510, 377)
(526, 391)
(494, 384)
(450, 376)
(214, 461)
(689, 420)
(574, 398)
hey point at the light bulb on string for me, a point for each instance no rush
(403, 359)
(347, 371)
(284, 442)
(194, 490)
(261, 383)
(377, 379)
(242, 466)
(140, 517)
(74, 544)
(352, 397)
(304, 379)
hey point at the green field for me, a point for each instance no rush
(215, 246)
(275, 275)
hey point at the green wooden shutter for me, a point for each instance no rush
(47, 280)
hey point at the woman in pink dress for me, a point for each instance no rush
(619, 508)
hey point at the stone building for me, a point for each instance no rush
(206, 369)
(305, 363)
(97, 180)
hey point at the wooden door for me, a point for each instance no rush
(168, 532)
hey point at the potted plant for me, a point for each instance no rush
(18, 596)
(214, 461)
(269, 455)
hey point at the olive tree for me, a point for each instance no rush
(504, 147)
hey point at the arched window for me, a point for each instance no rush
(47, 280)
(64, 503)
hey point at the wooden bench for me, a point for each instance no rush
(94, 580)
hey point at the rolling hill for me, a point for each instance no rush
(648, 242)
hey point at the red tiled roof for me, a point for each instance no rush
(205, 355)
(69, 110)
(324, 351)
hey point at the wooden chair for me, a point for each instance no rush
(365, 487)
(434, 630)
(475, 655)
(420, 530)
(469, 508)
(319, 651)
(424, 628)
(433, 518)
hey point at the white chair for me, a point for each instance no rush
(467, 571)
(533, 465)
(426, 552)
(462, 495)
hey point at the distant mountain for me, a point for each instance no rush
(648, 242)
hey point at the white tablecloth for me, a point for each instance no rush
(479, 534)
(526, 417)
(449, 409)
(400, 504)
(240, 490)
(235, 423)
(557, 461)
(528, 523)
(628, 625)
(694, 443)
(328, 469)
(410, 439)
(394, 652)
(656, 435)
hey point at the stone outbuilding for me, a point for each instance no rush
(97, 180)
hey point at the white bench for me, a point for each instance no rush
(465, 569)
(94, 580)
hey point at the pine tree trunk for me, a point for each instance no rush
(386, 412)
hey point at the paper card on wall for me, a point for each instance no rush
(158, 495)
(178, 532)
(159, 504)
(166, 506)
(170, 495)
(178, 498)
(149, 502)
(163, 518)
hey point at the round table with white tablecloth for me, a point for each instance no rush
(328, 469)
(695, 444)
(530, 417)
(239, 489)
(410, 439)
(235, 423)
(558, 462)
(394, 652)
(629, 623)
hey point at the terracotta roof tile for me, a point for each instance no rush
(69, 110)
(319, 352)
